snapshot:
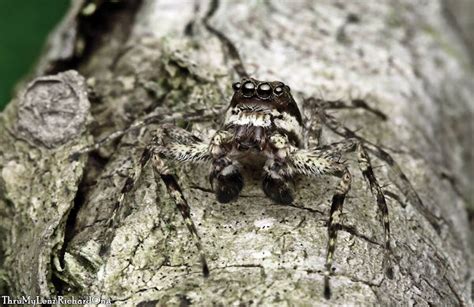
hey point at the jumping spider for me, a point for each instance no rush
(263, 128)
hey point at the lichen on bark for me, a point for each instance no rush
(176, 57)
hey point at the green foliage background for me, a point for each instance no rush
(24, 26)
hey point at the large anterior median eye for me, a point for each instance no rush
(248, 89)
(264, 90)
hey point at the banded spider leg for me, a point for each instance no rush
(325, 160)
(365, 166)
(152, 118)
(395, 173)
(397, 176)
(194, 151)
(184, 142)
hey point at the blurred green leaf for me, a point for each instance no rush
(24, 26)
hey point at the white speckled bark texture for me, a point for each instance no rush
(404, 58)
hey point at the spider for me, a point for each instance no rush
(263, 128)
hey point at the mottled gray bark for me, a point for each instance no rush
(458, 13)
(401, 56)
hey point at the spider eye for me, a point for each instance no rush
(278, 90)
(236, 86)
(264, 90)
(248, 89)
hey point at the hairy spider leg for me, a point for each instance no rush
(176, 194)
(334, 223)
(364, 160)
(129, 184)
(225, 176)
(177, 134)
(277, 183)
(186, 148)
(195, 151)
(325, 160)
(395, 172)
(368, 173)
(351, 145)
(152, 118)
(315, 162)
(402, 183)
(226, 179)
(338, 104)
(321, 105)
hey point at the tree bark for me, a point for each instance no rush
(402, 57)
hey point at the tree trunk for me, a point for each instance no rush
(402, 57)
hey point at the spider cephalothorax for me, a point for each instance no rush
(263, 128)
(257, 108)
